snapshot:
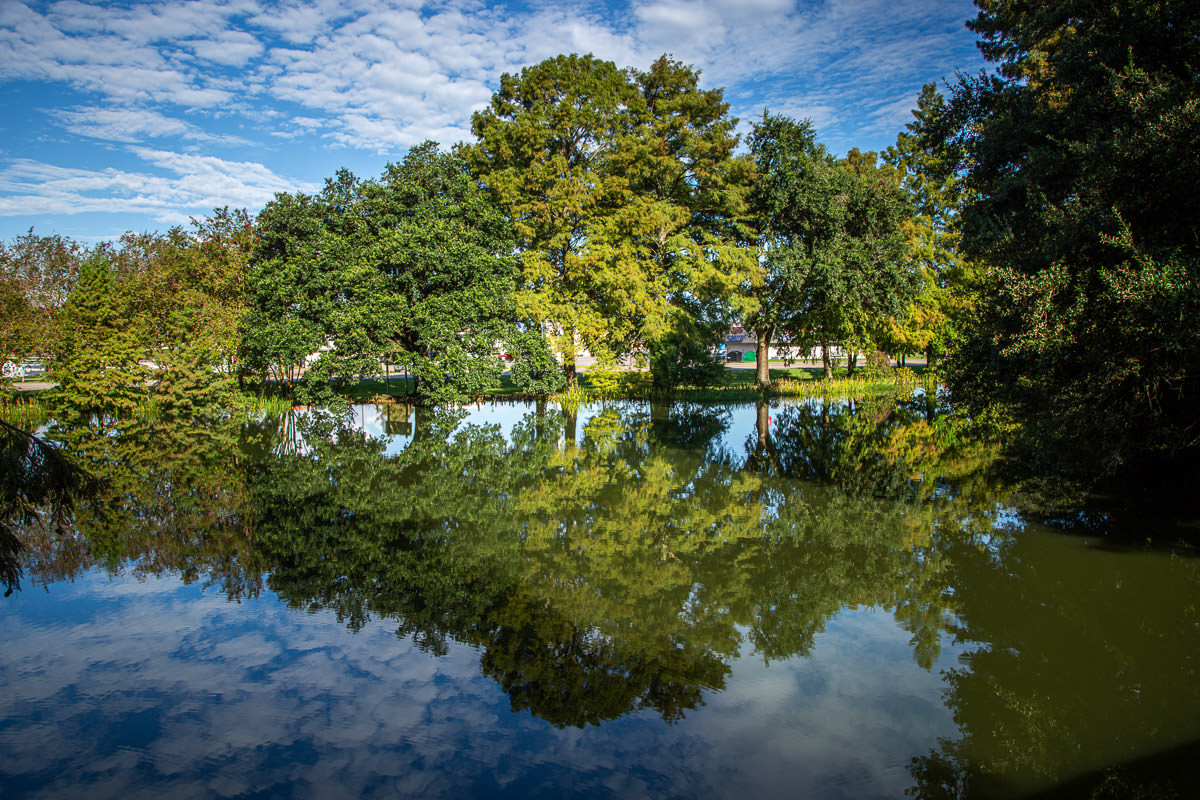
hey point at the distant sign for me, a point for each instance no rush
(736, 337)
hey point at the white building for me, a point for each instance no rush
(740, 341)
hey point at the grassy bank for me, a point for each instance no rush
(30, 409)
(735, 385)
(23, 410)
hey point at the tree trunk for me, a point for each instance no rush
(570, 426)
(929, 356)
(825, 362)
(568, 356)
(851, 361)
(420, 422)
(762, 358)
(762, 423)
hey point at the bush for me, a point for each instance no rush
(604, 381)
(876, 367)
(534, 369)
(682, 360)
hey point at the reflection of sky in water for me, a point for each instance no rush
(372, 419)
(118, 687)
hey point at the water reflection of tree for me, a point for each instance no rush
(1069, 671)
(38, 491)
(624, 566)
(882, 470)
(616, 568)
(162, 498)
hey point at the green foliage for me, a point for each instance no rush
(173, 300)
(604, 381)
(624, 194)
(187, 301)
(948, 282)
(533, 368)
(187, 287)
(685, 358)
(97, 366)
(1081, 163)
(191, 390)
(16, 336)
(412, 269)
(829, 270)
(877, 366)
(37, 274)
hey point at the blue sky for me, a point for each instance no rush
(136, 116)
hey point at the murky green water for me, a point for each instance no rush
(822, 600)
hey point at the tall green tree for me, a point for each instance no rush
(622, 188)
(829, 268)
(37, 274)
(415, 268)
(97, 364)
(946, 297)
(286, 285)
(187, 297)
(440, 254)
(544, 147)
(666, 263)
(1081, 156)
(873, 284)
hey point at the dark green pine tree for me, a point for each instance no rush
(97, 369)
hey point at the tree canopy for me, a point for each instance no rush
(945, 300)
(830, 269)
(1081, 160)
(415, 268)
(623, 190)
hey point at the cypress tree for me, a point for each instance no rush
(98, 368)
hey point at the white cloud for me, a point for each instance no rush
(134, 125)
(376, 76)
(232, 48)
(195, 184)
(387, 74)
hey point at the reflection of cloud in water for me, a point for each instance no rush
(127, 688)
(373, 419)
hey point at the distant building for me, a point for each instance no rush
(740, 341)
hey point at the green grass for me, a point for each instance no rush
(736, 384)
(251, 403)
(23, 410)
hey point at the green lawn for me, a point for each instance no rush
(735, 384)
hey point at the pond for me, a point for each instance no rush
(821, 599)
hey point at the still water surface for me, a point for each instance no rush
(820, 600)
